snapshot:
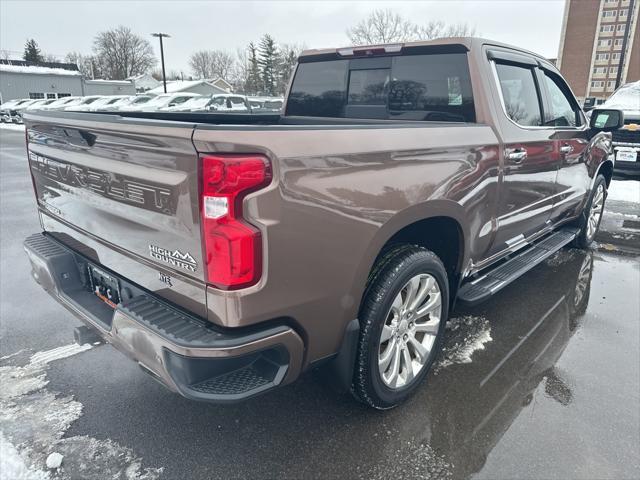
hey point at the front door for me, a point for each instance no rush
(528, 186)
(571, 139)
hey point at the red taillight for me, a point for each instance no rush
(232, 247)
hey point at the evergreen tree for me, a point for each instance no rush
(32, 52)
(288, 58)
(253, 81)
(268, 60)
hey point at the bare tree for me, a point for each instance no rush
(84, 63)
(5, 54)
(386, 26)
(120, 53)
(200, 63)
(50, 57)
(382, 26)
(211, 63)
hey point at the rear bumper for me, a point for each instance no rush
(187, 354)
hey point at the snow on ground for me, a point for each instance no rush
(36, 419)
(12, 126)
(624, 190)
(13, 467)
(465, 335)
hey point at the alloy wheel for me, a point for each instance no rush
(597, 205)
(410, 331)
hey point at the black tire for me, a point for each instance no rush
(583, 240)
(390, 274)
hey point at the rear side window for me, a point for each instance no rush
(319, 89)
(520, 94)
(434, 87)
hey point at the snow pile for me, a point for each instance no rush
(624, 191)
(36, 420)
(465, 335)
(12, 467)
(54, 460)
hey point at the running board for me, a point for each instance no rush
(482, 288)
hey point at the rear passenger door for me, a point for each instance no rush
(565, 117)
(530, 162)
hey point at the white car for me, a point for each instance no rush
(15, 113)
(102, 103)
(218, 103)
(266, 104)
(127, 103)
(8, 109)
(40, 104)
(164, 102)
(59, 103)
(81, 104)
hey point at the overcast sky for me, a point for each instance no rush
(63, 26)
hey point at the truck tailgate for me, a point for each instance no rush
(126, 192)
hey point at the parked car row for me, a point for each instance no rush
(11, 111)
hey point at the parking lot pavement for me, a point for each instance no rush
(542, 381)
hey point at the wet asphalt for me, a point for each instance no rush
(552, 388)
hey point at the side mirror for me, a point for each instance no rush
(606, 120)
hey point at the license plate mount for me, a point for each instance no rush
(104, 286)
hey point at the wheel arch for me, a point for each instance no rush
(606, 169)
(415, 225)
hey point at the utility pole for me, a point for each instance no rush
(627, 33)
(160, 36)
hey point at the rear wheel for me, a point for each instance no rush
(402, 324)
(592, 214)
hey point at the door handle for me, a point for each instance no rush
(516, 155)
(566, 149)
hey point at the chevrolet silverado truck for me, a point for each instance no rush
(227, 254)
(626, 140)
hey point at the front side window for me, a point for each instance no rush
(562, 112)
(519, 94)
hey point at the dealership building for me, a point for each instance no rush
(21, 79)
(599, 46)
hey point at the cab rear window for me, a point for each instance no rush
(433, 87)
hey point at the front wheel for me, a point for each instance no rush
(402, 321)
(592, 214)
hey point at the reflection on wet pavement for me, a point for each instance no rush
(539, 382)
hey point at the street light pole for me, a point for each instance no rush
(164, 77)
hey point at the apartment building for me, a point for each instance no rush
(599, 46)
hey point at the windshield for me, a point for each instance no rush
(197, 102)
(141, 100)
(627, 97)
(160, 100)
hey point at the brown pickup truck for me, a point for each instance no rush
(228, 253)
